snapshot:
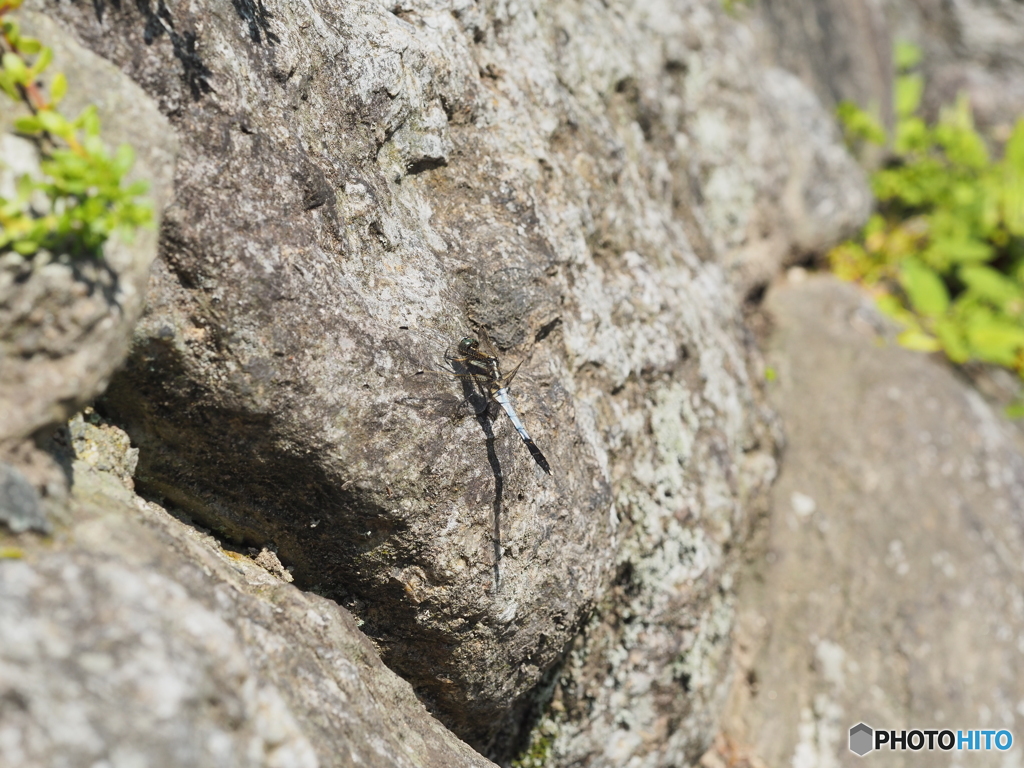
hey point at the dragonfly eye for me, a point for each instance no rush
(468, 344)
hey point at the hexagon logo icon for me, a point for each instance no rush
(861, 738)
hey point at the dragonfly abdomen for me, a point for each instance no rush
(503, 399)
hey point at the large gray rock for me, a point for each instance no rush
(362, 184)
(843, 50)
(975, 47)
(889, 589)
(65, 326)
(133, 639)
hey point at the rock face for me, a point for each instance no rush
(132, 638)
(360, 185)
(65, 327)
(889, 590)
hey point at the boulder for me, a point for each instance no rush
(888, 586)
(582, 186)
(842, 49)
(134, 638)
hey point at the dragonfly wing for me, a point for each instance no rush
(506, 380)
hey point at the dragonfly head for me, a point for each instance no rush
(468, 345)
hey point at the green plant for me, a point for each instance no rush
(538, 752)
(944, 253)
(81, 183)
(732, 7)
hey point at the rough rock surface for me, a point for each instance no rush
(64, 327)
(131, 638)
(20, 507)
(890, 587)
(360, 185)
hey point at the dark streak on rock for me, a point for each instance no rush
(159, 21)
(255, 14)
(425, 164)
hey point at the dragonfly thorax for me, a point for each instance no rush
(482, 366)
(484, 370)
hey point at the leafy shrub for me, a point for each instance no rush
(944, 253)
(80, 183)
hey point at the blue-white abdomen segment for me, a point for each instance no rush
(501, 396)
(506, 402)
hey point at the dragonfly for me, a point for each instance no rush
(485, 371)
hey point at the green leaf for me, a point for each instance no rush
(951, 337)
(959, 251)
(925, 289)
(53, 121)
(957, 135)
(906, 55)
(24, 186)
(7, 83)
(892, 307)
(41, 63)
(1013, 207)
(30, 125)
(989, 284)
(965, 194)
(996, 342)
(860, 125)
(1013, 154)
(907, 94)
(1013, 196)
(918, 341)
(9, 27)
(15, 66)
(58, 87)
(29, 45)
(137, 188)
(25, 247)
(990, 206)
(89, 121)
(876, 223)
(94, 146)
(911, 135)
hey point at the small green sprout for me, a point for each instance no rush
(81, 182)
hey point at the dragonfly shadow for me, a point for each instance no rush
(481, 405)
